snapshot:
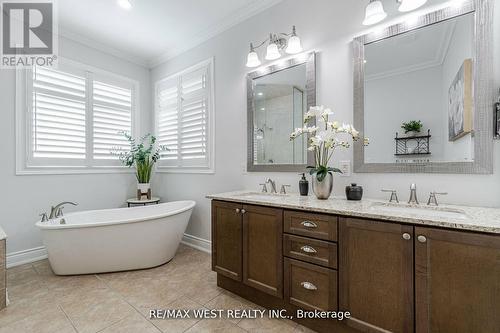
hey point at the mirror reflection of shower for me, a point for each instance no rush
(279, 109)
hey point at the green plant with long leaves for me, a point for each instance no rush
(143, 154)
(324, 139)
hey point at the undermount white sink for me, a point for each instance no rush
(422, 211)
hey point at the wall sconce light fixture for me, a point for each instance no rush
(278, 42)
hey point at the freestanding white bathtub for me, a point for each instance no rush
(113, 240)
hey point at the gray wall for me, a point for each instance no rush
(24, 197)
(327, 26)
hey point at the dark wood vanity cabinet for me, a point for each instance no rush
(247, 245)
(376, 275)
(227, 244)
(457, 281)
(391, 277)
(400, 278)
(262, 249)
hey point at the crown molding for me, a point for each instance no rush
(89, 42)
(437, 61)
(230, 21)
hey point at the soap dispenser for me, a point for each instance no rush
(303, 185)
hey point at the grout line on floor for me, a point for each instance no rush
(67, 317)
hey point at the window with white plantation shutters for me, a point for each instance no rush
(112, 115)
(72, 118)
(183, 119)
(167, 119)
(58, 124)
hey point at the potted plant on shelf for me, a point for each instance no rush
(324, 139)
(412, 127)
(143, 157)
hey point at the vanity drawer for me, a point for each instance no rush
(310, 250)
(319, 226)
(310, 287)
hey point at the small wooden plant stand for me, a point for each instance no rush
(141, 194)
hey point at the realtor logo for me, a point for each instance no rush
(28, 33)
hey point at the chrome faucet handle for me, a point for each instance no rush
(283, 189)
(264, 188)
(433, 199)
(59, 212)
(44, 217)
(394, 195)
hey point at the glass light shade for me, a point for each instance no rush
(272, 52)
(374, 13)
(253, 59)
(294, 45)
(409, 5)
(125, 4)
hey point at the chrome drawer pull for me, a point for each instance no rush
(308, 249)
(308, 286)
(309, 224)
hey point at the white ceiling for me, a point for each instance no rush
(153, 30)
(156, 30)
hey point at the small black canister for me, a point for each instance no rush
(354, 192)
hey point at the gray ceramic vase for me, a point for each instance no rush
(322, 189)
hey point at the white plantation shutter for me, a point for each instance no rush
(183, 118)
(58, 115)
(193, 118)
(167, 119)
(112, 115)
(74, 117)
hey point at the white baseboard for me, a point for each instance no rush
(197, 243)
(26, 256)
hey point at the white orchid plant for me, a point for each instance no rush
(324, 139)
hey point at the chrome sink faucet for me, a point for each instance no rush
(413, 194)
(56, 211)
(273, 185)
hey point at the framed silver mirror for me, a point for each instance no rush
(277, 98)
(423, 93)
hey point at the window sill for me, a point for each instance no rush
(29, 171)
(185, 170)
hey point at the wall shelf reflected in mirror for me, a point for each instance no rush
(438, 69)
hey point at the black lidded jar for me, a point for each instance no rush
(354, 192)
(303, 185)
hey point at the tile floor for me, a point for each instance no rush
(42, 302)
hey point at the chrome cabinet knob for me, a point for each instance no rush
(422, 239)
(308, 286)
(243, 211)
(308, 249)
(406, 236)
(309, 224)
(237, 210)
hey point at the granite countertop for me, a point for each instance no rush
(448, 216)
